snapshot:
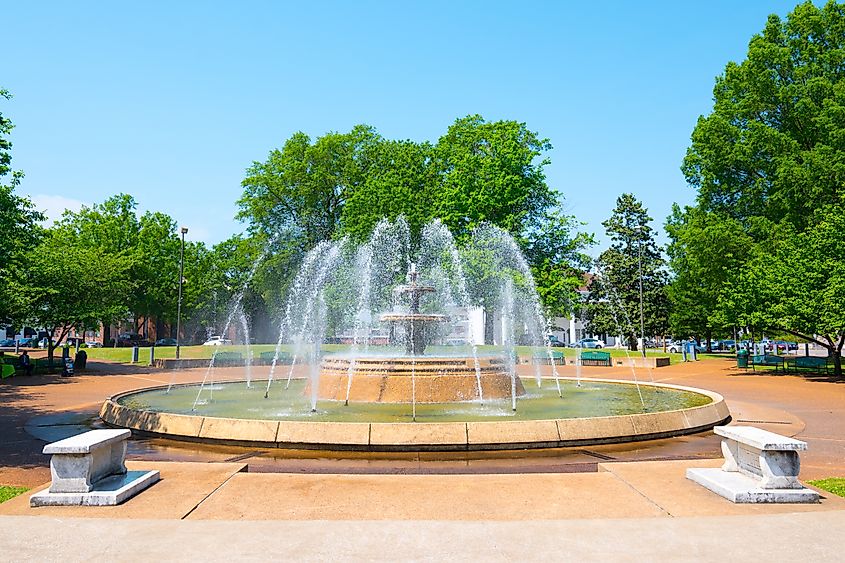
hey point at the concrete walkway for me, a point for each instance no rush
(783, 537)
(623, 512)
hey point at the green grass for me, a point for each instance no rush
(124, 355)
(835, 485)
(7, 493)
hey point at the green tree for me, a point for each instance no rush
(19, 229)
(400, 181)
(707, 254)
(613, 303)
(151, 245)
(299, 192)
(491, 172)
(774, 145)
(70, 286)
(556, 251)
(804, 282)
(478, 173)
(771, 157)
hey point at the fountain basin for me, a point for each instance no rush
(434, 379)
(373, 432)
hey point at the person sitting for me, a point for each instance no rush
(26, 363)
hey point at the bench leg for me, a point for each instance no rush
(780, 470)
(730, 454)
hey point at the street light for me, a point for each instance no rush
(181, 281)
(641, 228)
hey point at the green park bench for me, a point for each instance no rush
(6, 370)
(808, 363)
(544, 357)
(267, 358)
(595, 358)
(766, 360)
(228, 358)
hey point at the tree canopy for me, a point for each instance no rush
(477, 173)
(19, 228)
(769, 167)
(632, 259)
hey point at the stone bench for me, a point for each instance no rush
(89, 469)
(760, 467)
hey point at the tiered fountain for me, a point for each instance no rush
(414, 377)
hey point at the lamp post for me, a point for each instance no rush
(640, 229)
(181, 281)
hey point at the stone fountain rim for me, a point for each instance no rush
(421, 436)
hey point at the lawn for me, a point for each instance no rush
(10, 492)
(124, 355)
(835, 485)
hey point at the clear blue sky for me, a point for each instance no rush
(172, 101)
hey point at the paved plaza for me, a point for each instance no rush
(610, 502)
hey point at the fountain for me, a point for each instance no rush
(414, 377)
(386, 354)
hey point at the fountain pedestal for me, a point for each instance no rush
(437, 380)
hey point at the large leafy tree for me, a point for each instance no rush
(300, 191)
(67, 285)
(400, 181)
(633, 260)
(774, 145)
(150, 244)
(19, 229)
(491, 172)
(707, 254)
(478, 172)
(771, 158)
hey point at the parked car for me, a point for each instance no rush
(589, 343)
(166, 342)
(217, 341)
(93, 344)
(28, 342)
(554, 341)
(728, 345)
(677, 346)
(129, 339)
(8, 342)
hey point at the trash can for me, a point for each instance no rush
(67, 367)
(80, 360)
(742, 359)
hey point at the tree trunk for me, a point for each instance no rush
(837, 362)
(50, 348)
(489, 318)
(632, 343)
(709, 335)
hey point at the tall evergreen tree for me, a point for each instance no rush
(632, 262)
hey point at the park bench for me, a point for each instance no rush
(89, 469)
(233, 358)
(546, 357)
(808, 363)
(766, 360)
(760, 466)
(267, 358)
(6, 370)
(595, 358)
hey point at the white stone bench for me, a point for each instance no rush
(80, 461)
(89, 469)
(760, 466)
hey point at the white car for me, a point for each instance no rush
(217, 341)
